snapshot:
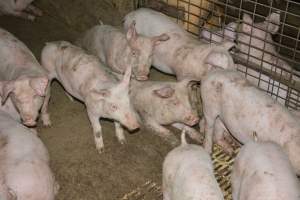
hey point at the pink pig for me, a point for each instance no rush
(22, 80)
(87, 79)
(20, 8)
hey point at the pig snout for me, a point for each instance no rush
(28, 120)
(191, 119)
(132, 123)
(142, 77)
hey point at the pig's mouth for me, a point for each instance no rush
(141, 77)
(29, 123)
(132, 127)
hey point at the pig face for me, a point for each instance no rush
(27, 95)
(177, 102)
(141, 49)
(114, 103)
(259, 32)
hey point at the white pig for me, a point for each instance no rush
(188, 174)
(87, 79)
(20, 8)
(228, 33)
(119, 50)
(262, 171)
(182, 55)
(24, 164)
(161, 103)
(231, 101)
(22, 80)
(255, 39)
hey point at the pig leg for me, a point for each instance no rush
(120, 133)
(44, 111)
(209, 133)
(220, 134)
(34, 10)
(202, 125)
(24, 15)
(97, 131)
(190, 131)
(162, 132)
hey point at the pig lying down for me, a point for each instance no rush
(161, 103)
(181, 55)
(120, 50)
(84, 77)
(188, 174)
(20, 8)
(230, 101)
(22, 80)
(24, 164)
(262, 171)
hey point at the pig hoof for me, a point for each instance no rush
(122, 141)
(31, 18)
(46, 120)
(100, 150)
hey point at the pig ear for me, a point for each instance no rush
(126, 77)
(39, 85)
(6, 87)
(273, 21)
(247, 23)
(131, 34)
(165, 92)
(156, 40)
(104, 93)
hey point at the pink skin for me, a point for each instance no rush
(231, 103)
(228, 33)
(181, 55)
(86, 79)
(188, 174)
(262, 170)
(20, 8)
(23, 80)
(24, 171)
(120, 50)
(165, 103)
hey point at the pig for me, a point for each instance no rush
(20, 8)
(161, 103)
(24, 164)
(120, 50)
(23, 81)
(181, 55)
(262, 52)
(188, 174)
(255, 112)
(262, 170)
(228, 33)
(84, 77)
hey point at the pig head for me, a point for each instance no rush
(27, 95)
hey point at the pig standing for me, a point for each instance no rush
(230, 101)
(188, 174)
(255, 39)
(181, 55)
(262, 171)
(228, 33)
(24, 164)
(120, 50)
(85, 78)
(22, 80)
(20, 8)
(165, 103)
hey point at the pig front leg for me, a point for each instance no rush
(162, 132)
(120, 133)
(209, 131)
(44, 111)
(221, 136)
(34, 10)
(190, 131)
(97, 131)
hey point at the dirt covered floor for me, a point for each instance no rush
(82, 173)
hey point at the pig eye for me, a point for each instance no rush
(113, 107)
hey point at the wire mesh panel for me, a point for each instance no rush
(266, 32)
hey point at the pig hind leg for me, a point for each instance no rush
(97, 131)
(190, 131)
(34, 10)
(162, 132)
(120, 133)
